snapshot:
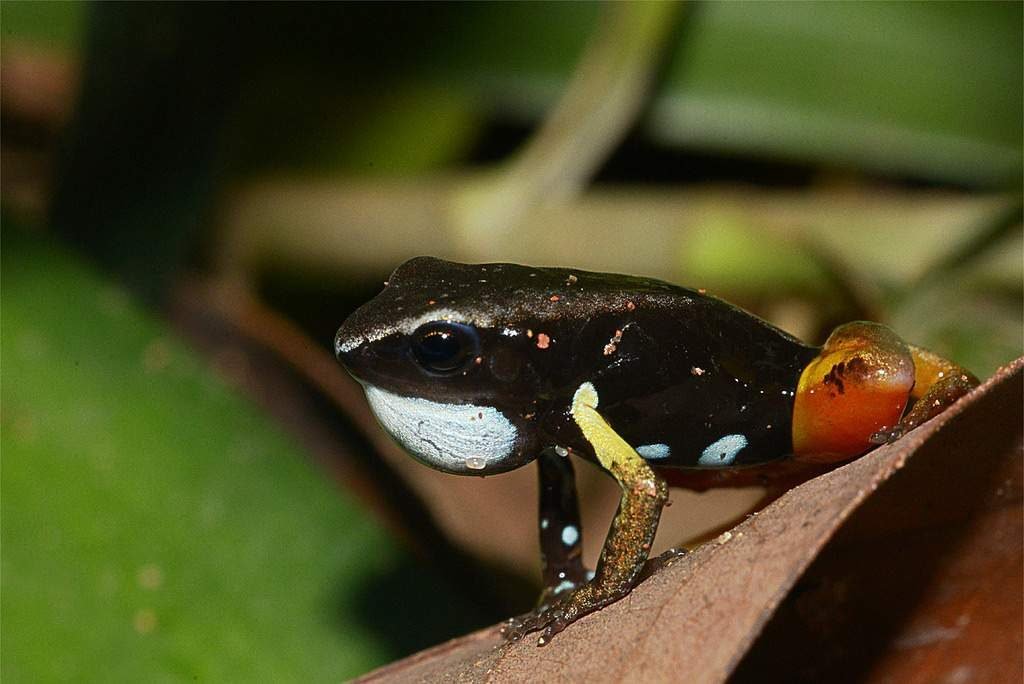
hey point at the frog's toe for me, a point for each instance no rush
(516, 628)
(670, 556)
(557, 624)
(888, 434)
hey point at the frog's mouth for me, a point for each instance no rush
(464, 439)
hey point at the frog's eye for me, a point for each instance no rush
(444, 346)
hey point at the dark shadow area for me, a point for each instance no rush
(893, 558)
(318, 306)
(415, 605)
(158, 118)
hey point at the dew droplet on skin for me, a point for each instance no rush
(475, 463)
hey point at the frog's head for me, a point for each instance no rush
(448, 367)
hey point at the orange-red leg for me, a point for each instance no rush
(852, 397)
(859, 385)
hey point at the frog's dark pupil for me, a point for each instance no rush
(443, 347)
(439, 347)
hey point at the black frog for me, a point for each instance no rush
(479, 369)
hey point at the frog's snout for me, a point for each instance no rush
(341, 347)
(348, 347)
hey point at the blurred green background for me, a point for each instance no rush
(164, 519)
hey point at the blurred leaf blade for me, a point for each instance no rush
(153, 522)
(931, 90)
(896, 87)
(56, 24)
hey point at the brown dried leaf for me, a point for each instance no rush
(924, 564)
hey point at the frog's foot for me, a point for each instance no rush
(664, 560)
(556, 616)
(938, 384)
(557, 611)
(515, 628)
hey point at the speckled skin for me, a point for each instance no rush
(672, 366)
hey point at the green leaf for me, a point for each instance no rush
(155, 526)
(924, 88)
(56, 24)
(931, 89)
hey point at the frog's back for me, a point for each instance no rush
(689, 380)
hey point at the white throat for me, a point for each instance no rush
(456, 438)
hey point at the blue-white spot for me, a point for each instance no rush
(570, 535)
(722, 452)
(654, 451)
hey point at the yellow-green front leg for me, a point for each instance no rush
(629, 541)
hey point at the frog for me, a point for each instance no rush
(478, 369)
